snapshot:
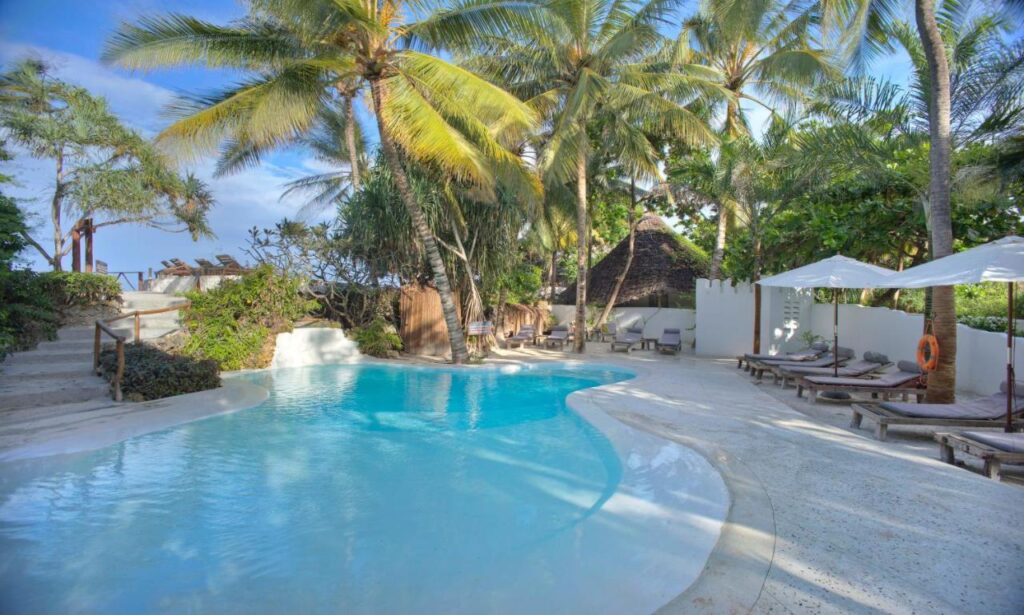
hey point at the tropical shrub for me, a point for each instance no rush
(235, 323)
(69, 289)
(27, 313)
(151, 373)
(378, 339)
(988, 323)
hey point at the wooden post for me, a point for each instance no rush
(76, 247)
(120, 370)
(1011, 384)
(88, 245)
(96, 350)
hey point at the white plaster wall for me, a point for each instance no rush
(981, 355)
(725, 318)
(655, 320)
(314, 346)
(172, 284)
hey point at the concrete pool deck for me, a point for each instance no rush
(823, 520)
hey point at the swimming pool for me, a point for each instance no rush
(366, 488)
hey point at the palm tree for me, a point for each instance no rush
(582, 60)
(760, 52)
(303, 53)
(861, 27)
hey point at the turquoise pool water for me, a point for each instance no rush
(362, 488)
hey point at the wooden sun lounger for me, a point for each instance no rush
(559, 336)
(884, 417)
(525, 334)
(776, 367)
(992, 457)
(671, 341)
(804, 354)
(625, 341)
(876, 390)
(854, 369)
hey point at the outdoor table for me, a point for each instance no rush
(648, 343)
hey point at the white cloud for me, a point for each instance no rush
(137, 102)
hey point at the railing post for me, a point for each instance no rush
(96, 350)
(138, 328)
(120, 370)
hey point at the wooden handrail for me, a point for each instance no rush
(103, 326)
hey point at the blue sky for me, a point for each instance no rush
(70, 34)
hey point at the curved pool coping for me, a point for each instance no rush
(733, 574)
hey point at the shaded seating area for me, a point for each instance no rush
(670, 341)
(841, 356)
(626, 340)
(558, 337)
(809, 353)
(903, 381)
(988, 411)
(871, 363)
(991, 447)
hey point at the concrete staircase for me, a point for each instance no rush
(60, 372)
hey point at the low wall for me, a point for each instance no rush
(981, 355)
(725, 318)
(314, 346)
(654, 320)
(172, 284)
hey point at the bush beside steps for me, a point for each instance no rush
(151, 373)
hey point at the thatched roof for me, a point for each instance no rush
(663, 262)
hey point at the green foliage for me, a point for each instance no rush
(12, 229)
(151, 373)
(378, 339)
(233, 323)
(81, 290)
(996, 324)
(27, 312)
(523, 283)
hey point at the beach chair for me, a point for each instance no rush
(625, 340)
(558, 337)
(871, 362)
(229, 264)
(608, 332)
(526, 334)
(841, 355)
(903, 381)
(994, 448)
(984, 412)
(671, 341)
(809, 353)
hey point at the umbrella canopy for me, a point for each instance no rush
(835, 272)
(997, 261)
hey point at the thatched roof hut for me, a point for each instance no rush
(663, 274)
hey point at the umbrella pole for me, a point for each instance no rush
(1011, 400)
(835, 332)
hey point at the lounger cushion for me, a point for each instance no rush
(909, 366)
(884, 381)
(1018, 388)
(1008, 442)
(875, 357)
(845, 353)
(819, 346)
(985, 408)
(856, 368)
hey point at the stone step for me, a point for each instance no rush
(45, 370)
(31, 393)
(59, 355)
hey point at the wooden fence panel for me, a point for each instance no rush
(423, 329)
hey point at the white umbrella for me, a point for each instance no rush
(835, 273)
(997, 261)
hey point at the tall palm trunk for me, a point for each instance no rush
(456, 338)
(719, 254)
(350, 142)
(582, 234)
(621, 278)
(553, 275)
(941, 382)
(55, 206)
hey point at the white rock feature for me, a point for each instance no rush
(314, 346)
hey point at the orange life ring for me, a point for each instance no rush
(928, 352)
